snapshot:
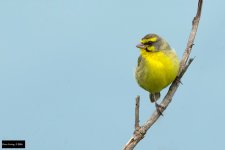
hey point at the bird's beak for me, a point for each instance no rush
(142, 46)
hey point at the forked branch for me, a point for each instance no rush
(140, 131)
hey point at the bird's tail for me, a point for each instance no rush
(154, 97)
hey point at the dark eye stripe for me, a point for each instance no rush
(149, 43)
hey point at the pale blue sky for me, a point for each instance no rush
(67, 74)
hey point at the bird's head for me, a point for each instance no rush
(153, 43)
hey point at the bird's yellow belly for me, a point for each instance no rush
(157, 70)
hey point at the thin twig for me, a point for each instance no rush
(140, 131)
(192, 35)
(137, 105)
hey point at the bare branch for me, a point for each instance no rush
(137, 105)
(140, 131)
(192, 35)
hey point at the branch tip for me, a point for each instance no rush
(137, 105)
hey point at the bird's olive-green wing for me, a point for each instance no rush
(139, 60)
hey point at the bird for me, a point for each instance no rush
(157, 67)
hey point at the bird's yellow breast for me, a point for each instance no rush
(156, 70)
